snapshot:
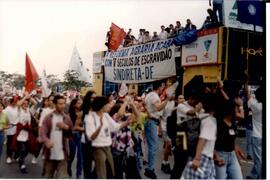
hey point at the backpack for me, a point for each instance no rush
(192, 130)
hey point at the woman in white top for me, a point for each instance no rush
(99, 126)
(85, 142)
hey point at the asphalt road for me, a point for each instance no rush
(12, 170)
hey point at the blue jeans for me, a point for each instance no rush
(150, 130)
(257, 157)
(218, 8)
(231, 169)
(249, 142)
(2, 139)
(138, 149)
(74, 144)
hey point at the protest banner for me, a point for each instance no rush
(141, 63)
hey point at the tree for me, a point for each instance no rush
(18, 81)
(13, 80)
(72, 82)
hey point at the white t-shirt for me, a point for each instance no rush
(24, 118)
(92, 122)
(45, 112)
(141, 39)
(12, 114)
(57, 152)
(163, 35)
(166, 113)
(208, 131)
(256, 109)
(182, 110)
(150, 99)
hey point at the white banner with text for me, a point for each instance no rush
(141, 63)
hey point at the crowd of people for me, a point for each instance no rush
(214, 19)
(115, 137)
(145, 36)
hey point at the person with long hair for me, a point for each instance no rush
(75, 114)
(86, 143)
(35, 126)
(227, 165)
(226, 151)
(99, 126)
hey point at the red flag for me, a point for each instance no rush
(30, 75)
(116, 37)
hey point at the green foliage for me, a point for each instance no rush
(72, 82)
(14, 80)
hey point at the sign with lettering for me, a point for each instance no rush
(230, 17)
(203, 50)
(141, 63)
(251, 52)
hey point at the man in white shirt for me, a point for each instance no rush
(187, 110)
(256, 106)
(141, 38)
(163, 34)
(154, 108)
(54, 133)
(12, 113)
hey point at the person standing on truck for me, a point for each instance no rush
(218, 7)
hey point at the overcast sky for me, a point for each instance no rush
(49, 29)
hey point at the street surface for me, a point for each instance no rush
(34, 170)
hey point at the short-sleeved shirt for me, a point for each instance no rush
(138, 126)
(166, 113)
(256, 109)
(163, 35)
(122, 140)
(182, 110)
(12, 113)
(92, 122)
(208, 131)
(225, 136)
(150, 99)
